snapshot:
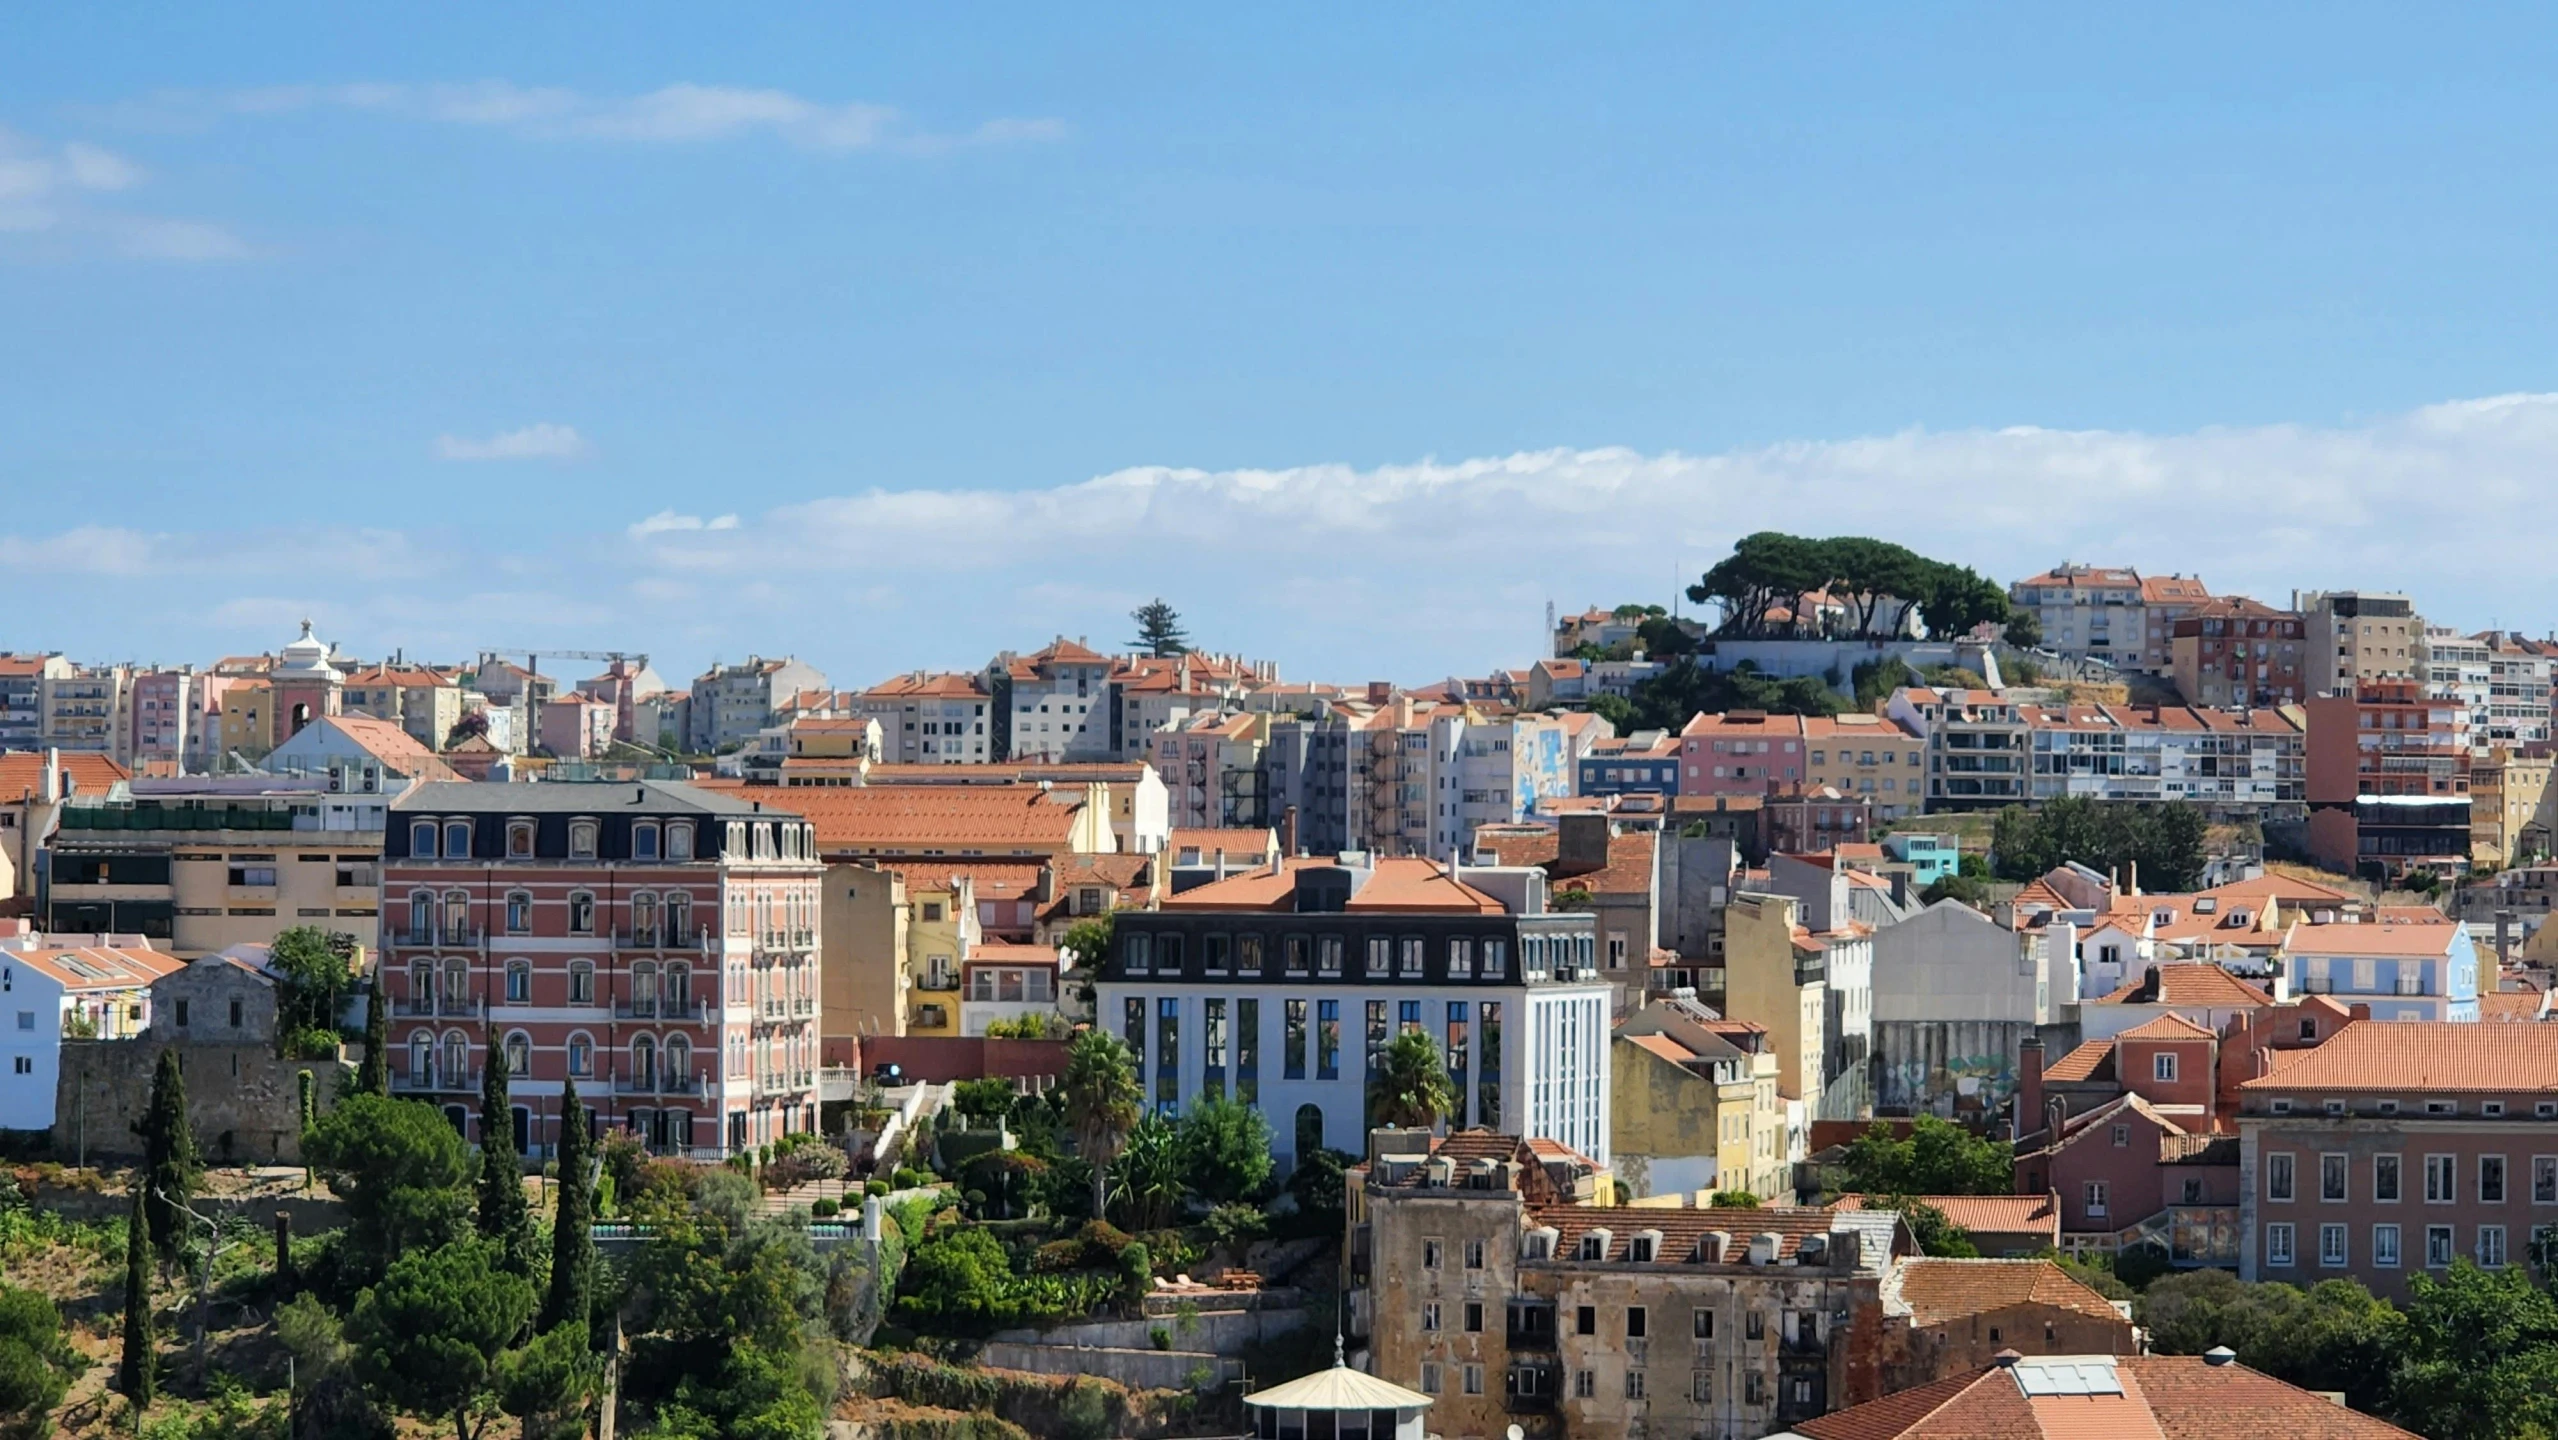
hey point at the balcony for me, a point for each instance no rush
(435, 1080)
(462, 936)
(681, 1012)
(674, 1085)
(660, 937)
(451, 1007)
(1530, 1389)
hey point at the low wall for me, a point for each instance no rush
(942, 1058)
(1218, 1332)
(1139, 1369)
(312, 1213)
(244, 1104)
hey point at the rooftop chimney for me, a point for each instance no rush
(2029, 1082)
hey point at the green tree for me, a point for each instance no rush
(2334, 1336)
(428, 1336)
(400, 1170)
(1102, 1101)
(572, 1235)
(549, 1382)
(753, 1395)
(2024, 631)
(1937, 1234)
(984, 1100)
(956, 1282)
(2163, 843)
(373, 1076)
(1150, 1176)
(502, 1212)
(1938, 1157)
(1618, 711)
(36, 1362)
(2479, 1355)
(1159, 631)
(1088, 939)
(1411, 1089)
(168, 1158)
(1225, 1150)
(1956, 887)
(1732, 1200)
(137, 1369)
(313, 981)
(1317, 1186)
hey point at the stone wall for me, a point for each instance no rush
(244, 1103)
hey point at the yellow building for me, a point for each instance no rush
(1773, 976)
(248, 722)
(864, 981)
(1873, 757)
(1694, 1108)
(2509, 819)
(940, 932)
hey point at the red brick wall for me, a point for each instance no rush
(941, 1058)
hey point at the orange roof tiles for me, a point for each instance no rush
(1628, 871)
(97, 967)
(1681, 1230)
(2513, 1005)
(22, 772)
(997, 952)
(1942, 1290)
(2391, 939)
(900, 819)
(2193, 983)
(2092, 1061)
(2163, 1397)
(2170, 1026)
(1237, 844)
(398, 750)
(1993, 1214)
(921, 685)
(1403, 884)
(2424, 1056)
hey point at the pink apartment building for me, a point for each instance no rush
(1740, 752)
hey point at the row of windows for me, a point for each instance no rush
(1465, 957)
(2442, 1178)
(654, 919)
(451, 839)
(2335, 1245)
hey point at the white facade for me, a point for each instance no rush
(31, 1014)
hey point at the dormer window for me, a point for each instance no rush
(422, 840)
(679, 842)
(644, 841)
(519, 839)
(581, 839)
(457, 839)
(1594, 1246)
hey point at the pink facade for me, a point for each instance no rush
(1742, 752)
(656, 943)
(163, 717)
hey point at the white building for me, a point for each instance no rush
(92, 986)
(1277, 987)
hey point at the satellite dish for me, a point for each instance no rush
(1518, 1434)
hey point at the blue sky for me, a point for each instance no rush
(893, 339)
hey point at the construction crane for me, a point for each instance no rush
(533, 677)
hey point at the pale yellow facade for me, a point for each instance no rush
(1768, 981)
(864, 980)
(940, 930)
(2508, 808)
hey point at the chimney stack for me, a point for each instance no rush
(2029, 1082)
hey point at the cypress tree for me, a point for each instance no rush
(135, 1375)
(373, 1077)
(168, 1158)
(572, 1242)
(502, 1216)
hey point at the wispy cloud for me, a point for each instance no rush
(1412, 571)
(544, 441)
(682, 113)
(56, 195)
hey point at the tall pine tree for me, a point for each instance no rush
(1159, 631)
(136, 1373)
(168, 1158)
(572, 1242)
(373, 1077)
(502, 1210)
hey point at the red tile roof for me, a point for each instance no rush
(398, 750)
(2193, 983)
(902, 819)
(1403, 884)
(1941, 1290)
(2092, 1061)
(1628, 871)
(2173, 1397)
(2416, 1057)
(22, 773)
(2170, 1026)
(1987, 1214)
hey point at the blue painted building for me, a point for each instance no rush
(1930, 857)
(2404, 971)
(1643, 763)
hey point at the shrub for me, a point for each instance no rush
(1136, 1270)
(875, 1187)
(825, 1208)
(1057, 1257)
(1235, 1225)
(1161, 1337)
(910, 1178)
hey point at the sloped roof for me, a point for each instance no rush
(1939, 1290)
(2091, 1061)
(2423, 1056)
(2170, 1026)
(2385, 940)
(22, 772)
(1628, 871)
(1988, 1214)
(899, 819)
(1339, 1388)
(2193, 983)
(1403, 883)
(2171, 1397)
(97, 967)
(396, 748)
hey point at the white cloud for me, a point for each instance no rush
(544, 441)
(680, 113)
(1410, 571)
(54, 190)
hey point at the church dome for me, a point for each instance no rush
(307, 657)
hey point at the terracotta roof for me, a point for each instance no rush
(921, 686)
(2512, 1005)
(1238, 844)
(2170, 1026)
(1989, 1214)
(901, 819)
(2193, 983)
(2173, 1397)
(1941, 1290)
(2040, 893)
(986, 882)
(22, 772)
(2424, 1056)
(404, 678)
(2418, 942)
(2093, 1061)
(2288, 889)
(398, 750)
(2411, 915)
(1404, 884)
(1628, 871)
(997, 952)
(97, 967)
(1681, 1230)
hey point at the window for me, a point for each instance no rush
(25, 1065)
(679, 842)
(2384, 1178)
(2122, 1137)
(1380, 954)
(2491, 1246)
(1474, 1254)
(2331, 1177)
(1634, 1384)
(1585, 1384)
(1430, 1252)
(27, 1018)
(1460, 959)
(457, 839)
(1637, 1322)
(2331, 1245)
(519, 913)
(1496, 959)
(644, 842)
(581, 982)
(2162, 1067)
(422, 840)
(2491, 1179)
(1701, 1387)
(1295, 948)
(2441, 1186)
(519, 840)
(519, 982)
(2544, 1179)
(1430, 1315)
(1702, 1320)
(2384, 1246)
(2096, 1195)
(1293, 1042)
(581, 1055)
(2437, 1246)
(581, 913)
(1328, 954)
(2278, 1244)
(1327, 1039)
(1474, 1317)
(1585, 1318)
(1473, 1378)
(1754, 1390)
(1413, 950)
(1754, 1326)
(2278, 1176)
(1248, 954)
(1429, 1377)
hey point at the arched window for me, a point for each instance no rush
(519, 839)
(422, 1059)
(581, 913)
(457, 984)
(644, 1063)
(581, 839)
(422, 840)
(421, 987)
(581, 1054)
(422, 916)
(679, 842)
(679, 1061)
(457, 1060)
(644, 841)
(519, 1054)
(1309, 1131)
(519, 982)
(519, 912)
(644, 988)
(679, 990)
(581, 982)
(457, 917)
(679, 919)
(644, 919)
(457, 839)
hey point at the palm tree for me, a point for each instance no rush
(1411, 1088)
(1102, 1101)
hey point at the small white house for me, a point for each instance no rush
(48, 991)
